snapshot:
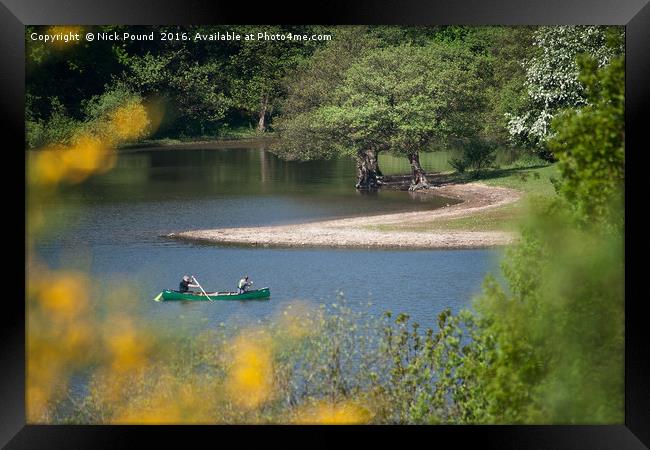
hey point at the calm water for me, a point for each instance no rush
(113, 224)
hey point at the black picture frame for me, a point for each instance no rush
(634, 14)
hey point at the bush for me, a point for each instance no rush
(459, 164)
(100, 105)
(476, 155)
(117, 114)
(58, 129)
(558, 326)
(590, 145)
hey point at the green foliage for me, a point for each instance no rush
(304, 138)
(395, 99)
(101, 105)
(312, 86)
(476, 155)
(258, 68)
(459, 164)
(552, 80)
(504, 76)
(397, 88)
(559, 327)
(391, 367)
(400, 98)
(193, 93)
(590, 144)
(71, 73)
(57, 129)
(60, 128)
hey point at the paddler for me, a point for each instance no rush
(243, 285)
(186, 284)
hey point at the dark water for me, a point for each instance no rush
(112, 226)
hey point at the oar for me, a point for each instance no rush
(199, 285)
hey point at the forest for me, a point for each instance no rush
(364, 91)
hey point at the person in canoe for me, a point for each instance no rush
(186, 284)
(243, 285)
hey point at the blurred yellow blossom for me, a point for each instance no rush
(64, 330)
(59, 335)
(345, 413)
(171, 401)
(127, 346)
(61, 31)
(63, 295)
(250, 379)
(90, 152)
(128, 122)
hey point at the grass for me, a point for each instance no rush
(535, 179)
(527, 174)
(531, 176)
(504, 218)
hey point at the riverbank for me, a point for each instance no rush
(365, 232)
(483, 212)
(531, 178)
(248, 140)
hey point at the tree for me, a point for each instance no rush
(399, 99)
(552, 78)
(187, 74)
(314, 83)
(502, 49)
(58, 77)
(302, 126)
(258, 68)
(194, 92)
(590, 144)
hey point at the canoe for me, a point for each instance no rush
(169, 295)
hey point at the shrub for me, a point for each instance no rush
(58, 129)
(99, 106)
(459, 164)
(476, 155)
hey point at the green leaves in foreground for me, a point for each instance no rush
(590, 144)
(559, 329)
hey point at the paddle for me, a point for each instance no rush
(157, 299)
(199, 285)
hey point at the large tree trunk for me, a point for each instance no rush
(380, 175)
(418, 176)
(264, 106)
(367, 177)
(373, 163)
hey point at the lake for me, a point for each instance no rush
(112, 226)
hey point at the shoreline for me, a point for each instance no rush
(357, 232)
(255, 141)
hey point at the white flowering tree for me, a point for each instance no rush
(552, 77)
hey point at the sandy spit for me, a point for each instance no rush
(352, 232)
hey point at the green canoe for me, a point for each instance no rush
(169, 295)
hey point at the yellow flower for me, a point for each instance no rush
(128, 349)
(345, 413)
(128, 122)
(250, 380)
